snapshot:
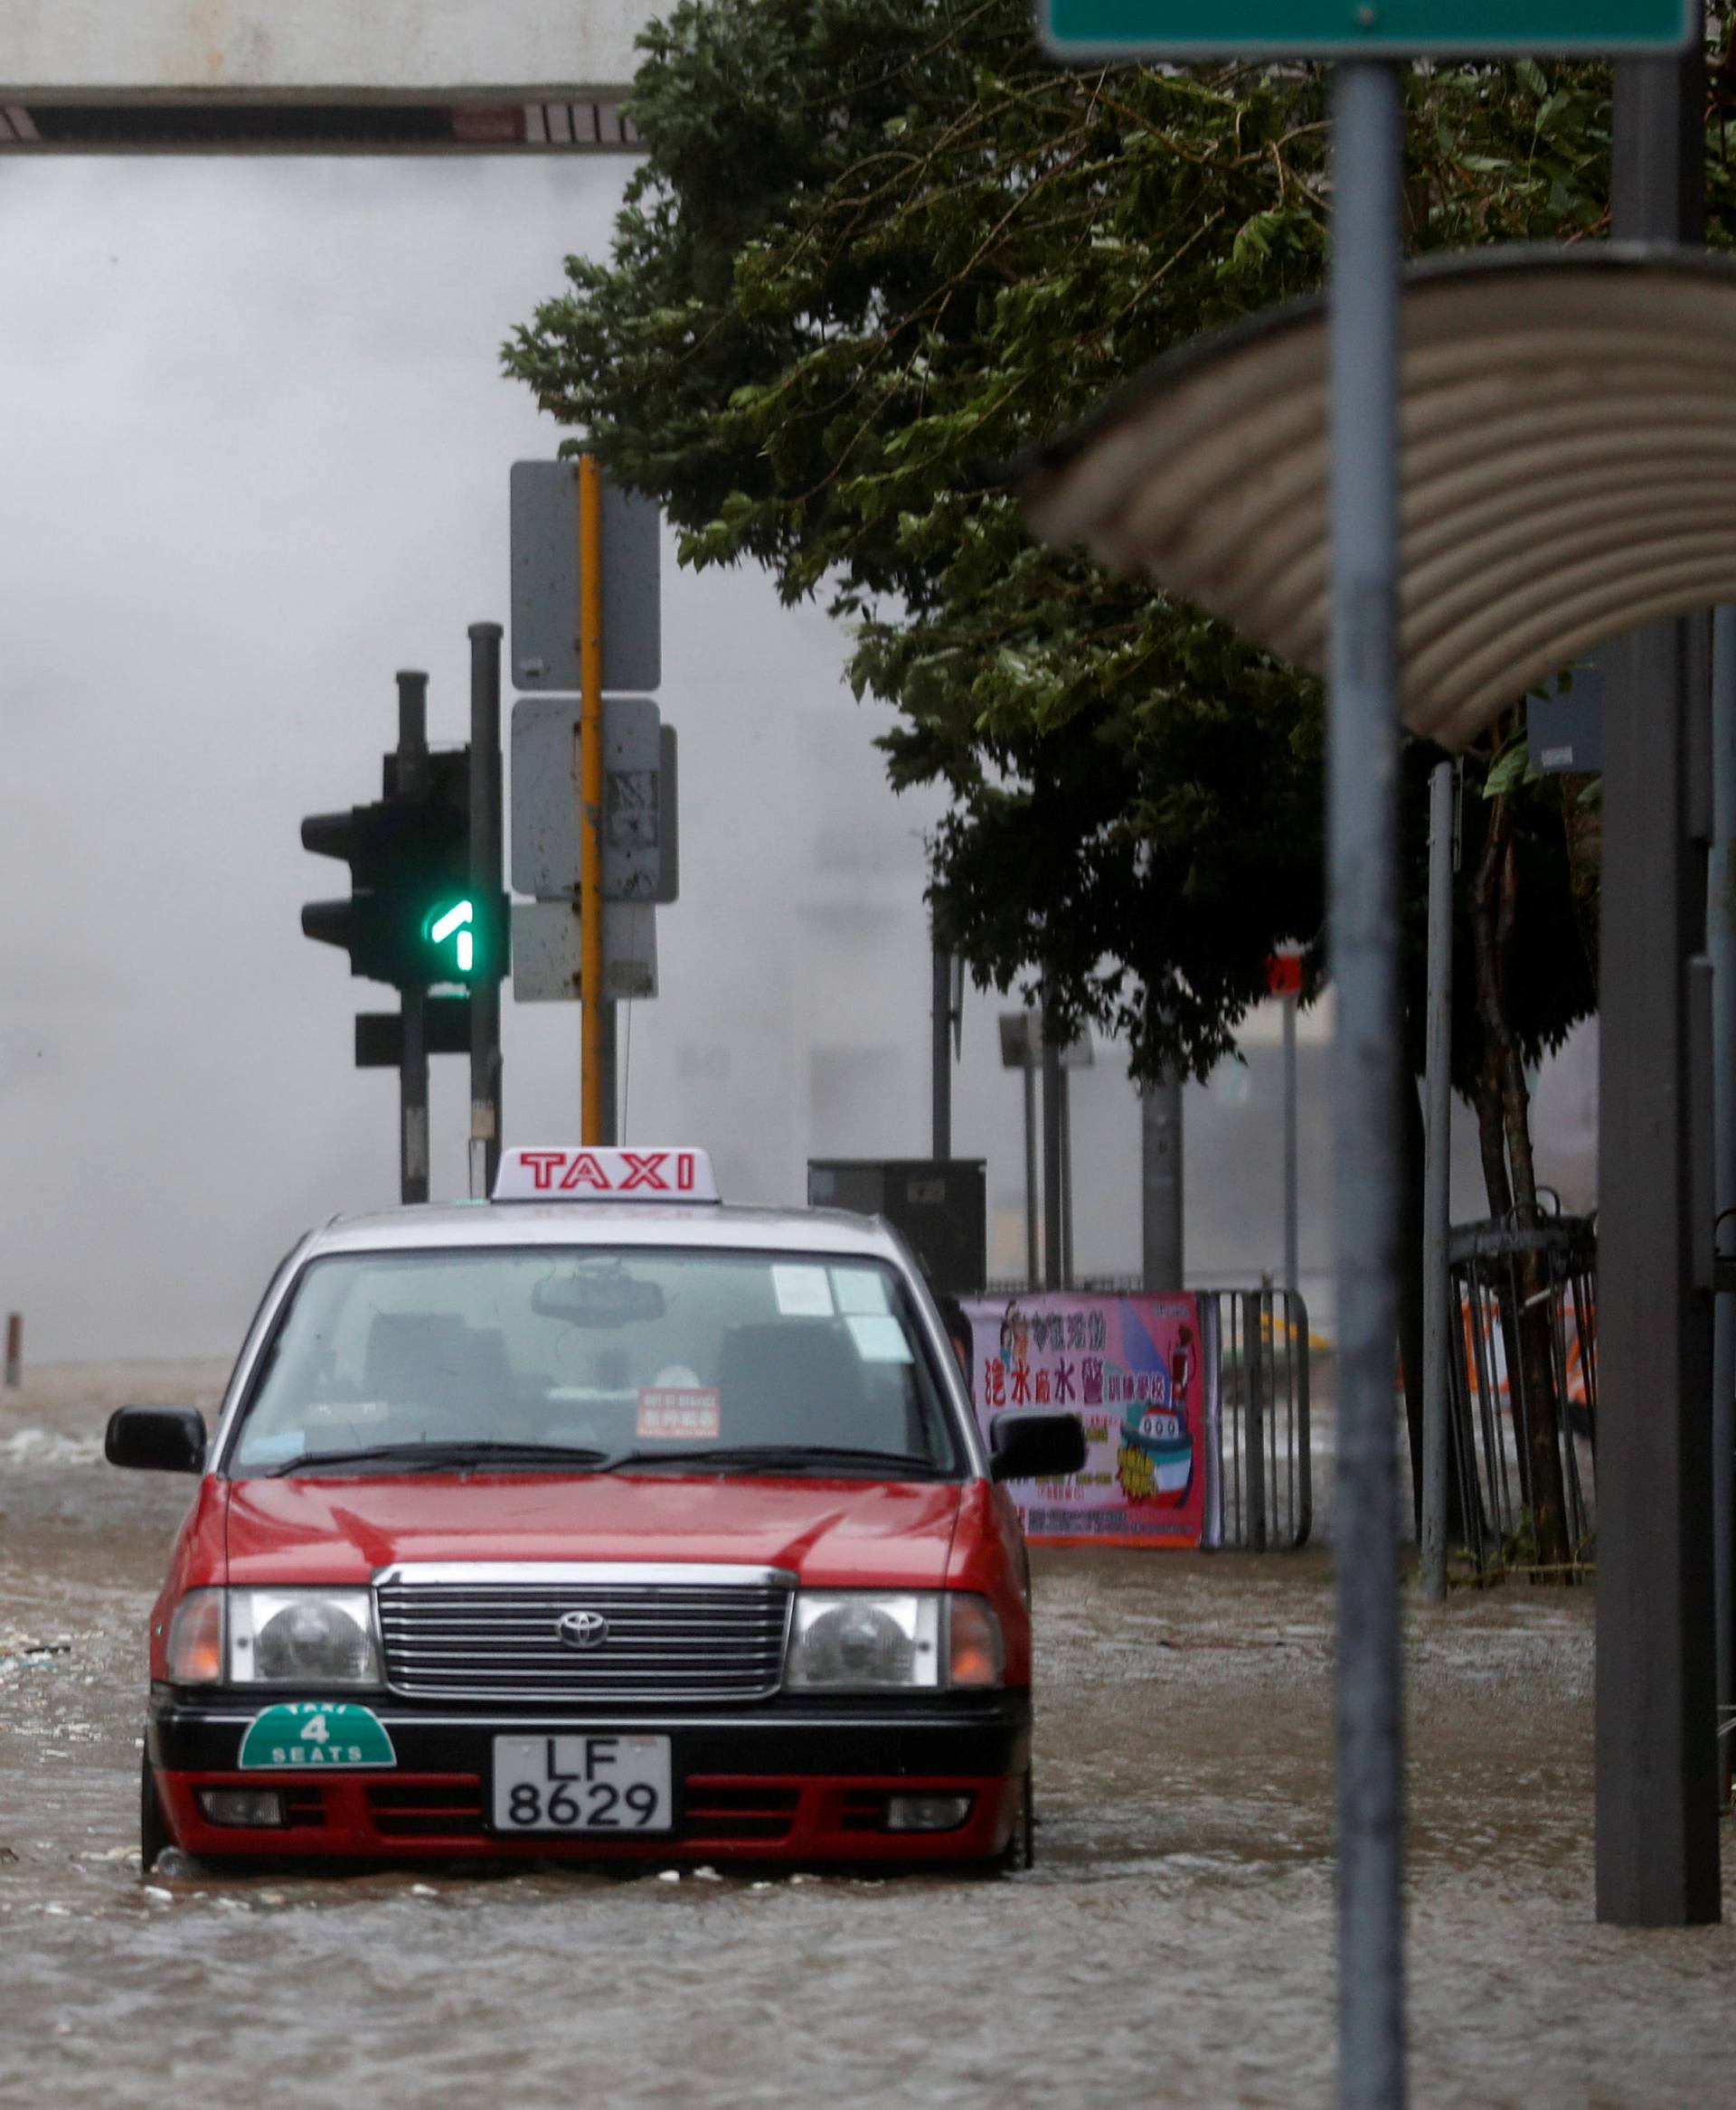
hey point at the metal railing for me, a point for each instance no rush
(1257, 1342)
(1493, 1413)
(1258, 1465)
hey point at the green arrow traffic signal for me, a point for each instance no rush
(456, 926)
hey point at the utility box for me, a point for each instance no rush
(938, 1206)
(1564, 727)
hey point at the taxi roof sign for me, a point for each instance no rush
(574, 1172)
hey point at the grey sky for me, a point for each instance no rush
(256, 460)
(256, 448)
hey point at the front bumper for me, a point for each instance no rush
(782, 1781)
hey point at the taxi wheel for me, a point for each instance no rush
(153, 1833)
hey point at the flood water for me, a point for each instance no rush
(1172, 1945)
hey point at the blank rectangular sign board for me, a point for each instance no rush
(545, 583)
(546, 958)
(639, 839)
(1087, 29)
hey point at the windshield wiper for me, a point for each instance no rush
(431, 1457)
(784, 1458)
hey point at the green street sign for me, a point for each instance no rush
(1076, 30)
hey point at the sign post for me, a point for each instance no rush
(1362, 795)
(585, 619)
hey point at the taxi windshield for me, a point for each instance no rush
(595, 1360)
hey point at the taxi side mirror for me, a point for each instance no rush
(1035, 1447)
(164, 1440)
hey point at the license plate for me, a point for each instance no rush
(583, 1783)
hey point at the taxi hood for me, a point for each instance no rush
(833, 1533)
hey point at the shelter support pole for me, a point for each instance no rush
(1657, 1752)
(1437, 1206)
(1362, 775)
(1721, 943)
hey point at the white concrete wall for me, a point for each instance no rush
(256, 48)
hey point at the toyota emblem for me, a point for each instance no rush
(583, 1629)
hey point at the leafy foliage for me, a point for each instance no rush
(877, 247)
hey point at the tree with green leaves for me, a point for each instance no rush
(875, 248)
(878, 246)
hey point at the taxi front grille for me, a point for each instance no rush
(662, 1641)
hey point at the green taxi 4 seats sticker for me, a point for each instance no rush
(316, 1733)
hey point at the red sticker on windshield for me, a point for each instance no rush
(688, 1414)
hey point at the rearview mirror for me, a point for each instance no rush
(163, 1439)
(1035, 1447)
(598, 1297)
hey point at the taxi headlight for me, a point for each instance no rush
(302, 1637)
(864, 1642)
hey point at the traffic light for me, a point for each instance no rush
(411, 918)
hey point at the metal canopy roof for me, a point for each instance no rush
(1570, 469)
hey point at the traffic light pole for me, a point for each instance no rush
(412, 1072)
(484, 892)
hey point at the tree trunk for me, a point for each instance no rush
(1503, 1096)
(1491, 1136)
(1491, 1139)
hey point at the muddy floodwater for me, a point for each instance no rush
(1172, 1945)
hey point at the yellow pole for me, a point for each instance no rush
(591, 797)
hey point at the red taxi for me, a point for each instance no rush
(600, 1519)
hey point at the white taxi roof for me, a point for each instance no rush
(569, 1195)
(721, 1224)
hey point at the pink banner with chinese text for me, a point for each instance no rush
(1131, 1368)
